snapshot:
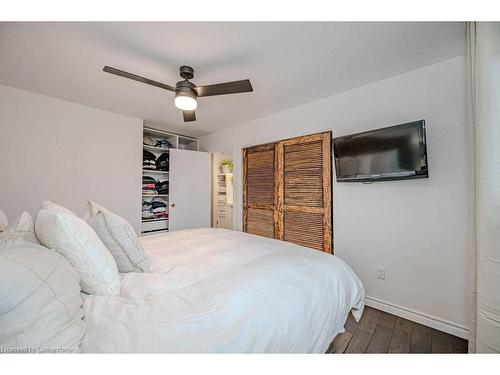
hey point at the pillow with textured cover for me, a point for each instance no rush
(61, 230)
(119, 237)
(4, 222)
(40, 303)
(21, 232)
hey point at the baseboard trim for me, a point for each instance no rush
(419, 317)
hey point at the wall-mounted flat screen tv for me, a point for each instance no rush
(393, 153)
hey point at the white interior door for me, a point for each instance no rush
(189, 190)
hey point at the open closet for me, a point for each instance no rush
(175, 183)
(287, 190)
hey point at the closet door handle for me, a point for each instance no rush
(172, 205)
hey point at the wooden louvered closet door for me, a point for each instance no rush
(258, 190)
(300, 191)
(305, 202)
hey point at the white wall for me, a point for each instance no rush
(418, 229)
(68, 153)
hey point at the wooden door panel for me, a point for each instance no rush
(304, 228)
(259, 190)
(303, 174)
(306, 217)
(260, 177)
(260, 222)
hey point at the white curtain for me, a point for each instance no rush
(483, 49)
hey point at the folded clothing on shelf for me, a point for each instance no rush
(156, 142)
(163, 143)
(146, 210)
(148, 183)
(154, 209)
(162, 187)
(158, 210)
(149, 165)
(149, 140)
(146, 155)
(148, 160)
(146, 215)
(148, 180)
(161, 215)
(158, 206)
(162, 163)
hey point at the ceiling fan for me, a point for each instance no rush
(186, 92)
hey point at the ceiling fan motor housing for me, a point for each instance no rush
(186, 96)
(185, 88)
(186, 72)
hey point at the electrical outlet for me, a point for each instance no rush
(380, 272)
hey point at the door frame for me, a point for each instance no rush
(233, 150)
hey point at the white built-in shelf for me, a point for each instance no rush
(154, 171)
(178, 142)
(148, 220)
(151, 232)
(187, 143)
(155, 149)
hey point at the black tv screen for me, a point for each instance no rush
(392, 153)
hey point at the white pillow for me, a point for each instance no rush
(40, 303)
(4, 222)
(56, 207)
(21, 232)
(120, 238)
(61, 230)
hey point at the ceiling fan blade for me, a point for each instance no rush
(189, 116)
(234, 87)
(135, 77)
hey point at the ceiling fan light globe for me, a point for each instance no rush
(186, 103)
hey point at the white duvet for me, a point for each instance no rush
(220, 291)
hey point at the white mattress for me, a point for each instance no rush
(220, 291)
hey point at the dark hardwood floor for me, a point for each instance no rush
(381, 332)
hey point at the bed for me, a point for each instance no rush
(221, 291)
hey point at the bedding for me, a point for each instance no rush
(120, 239)
(40, 303)
(4, 222)
(220, 291)
(20, 233)
(61, 230)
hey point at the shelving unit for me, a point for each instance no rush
(153, 171)
(160, 224)
(223, 200)
(154, 149)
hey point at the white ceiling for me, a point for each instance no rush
(287, 63)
